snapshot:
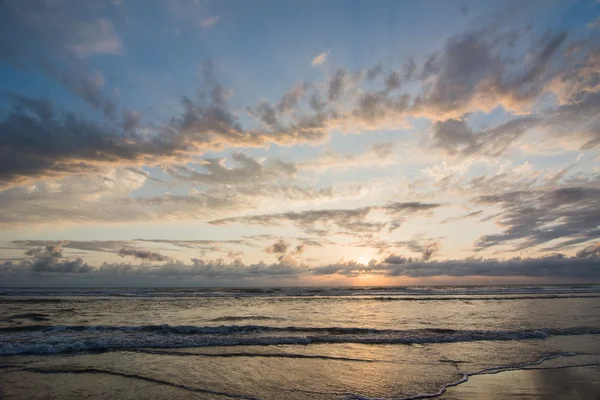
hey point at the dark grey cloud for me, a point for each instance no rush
(55, 248)
(576, 87)
(279, 247)
(143, 254)
(400, 211)
(36, 141)
(346, 220)
(473, 69)
(393, 81)
(289, 101)
(472, 72)
(351, 220)
(87, 85)
(51, 264)
(110, 246)
(456, 137)
(556, 266)
(533, 217)
(373, 72)
(593, 250)
(131, 120)
(337, 84)
(579, 120)
(50, 259)
(427, 250)
(285, 252)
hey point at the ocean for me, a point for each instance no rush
(293, 343)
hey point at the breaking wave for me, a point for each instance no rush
(40, 339)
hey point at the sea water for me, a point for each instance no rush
(286, 343)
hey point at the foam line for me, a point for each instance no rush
(69, 339)
(266, 355)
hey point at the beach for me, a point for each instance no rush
(572, 383)
(301, 343)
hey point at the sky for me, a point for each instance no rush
(252, 143)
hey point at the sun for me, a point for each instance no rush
(363, 260)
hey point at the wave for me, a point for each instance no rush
(307, 292)
(41, 339)
(469, 298)
(253, 355)
(245, 318)
(307, 297)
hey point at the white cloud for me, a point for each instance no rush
(320, 59)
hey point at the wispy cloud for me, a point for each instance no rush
(209, 22)
(320, 59)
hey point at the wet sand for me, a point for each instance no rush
(550, 384)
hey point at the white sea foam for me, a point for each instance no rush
(61, 339)
(383, 292)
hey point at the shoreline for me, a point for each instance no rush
(553, 383)
(472, 380)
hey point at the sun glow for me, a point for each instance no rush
(363, 260)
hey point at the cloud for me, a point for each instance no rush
(555, 266)
(427, 250)
(593, 250)
(354, 221)
(249, 171)
(48, 266)
(86, 85)
(578, 119)
(379, 155)
(482, 83)
(320, 59)
(195, 243)
(289, 101)
(60, 26)
(336, 84)
(110, 246)
(209, 22)
(285, 252)
(143, 254)
(461, 217)
(533, 217)
(426, 247)
(279, 247)
(45, 248)
(95, 37)
(50, 259)
(105, 197)
(448, 89)
(37, 142)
